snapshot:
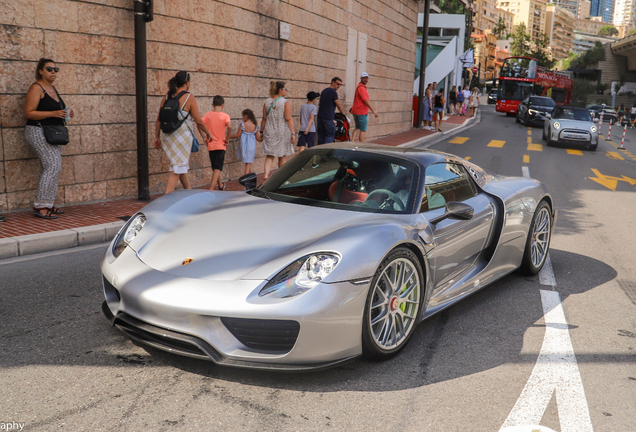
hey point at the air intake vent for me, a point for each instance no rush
(264, 335)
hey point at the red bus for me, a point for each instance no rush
(521, 77)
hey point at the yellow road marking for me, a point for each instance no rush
(529, 131)
(614, 155)
(574, 152)
(496, 143)
(535, 147)
(610, 182)
(526, 159)
(529, 140)
(458, 140)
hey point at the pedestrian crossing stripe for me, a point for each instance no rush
(496, 143)
(574, 152)
(614, 155)
(526, 159)
(458, 140)
(535, 147)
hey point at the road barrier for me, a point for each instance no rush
(600, 125)
(609, 132)
(622, 147)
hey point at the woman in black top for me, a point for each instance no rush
(438, 109)
(452, 100)
(43, 107)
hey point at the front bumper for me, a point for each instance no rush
(193, 317)
(573, 137)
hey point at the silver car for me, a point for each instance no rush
(340, 253)
(571, 126)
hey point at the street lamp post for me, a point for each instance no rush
(420, 104)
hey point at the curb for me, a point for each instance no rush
(45, 242)
(429, 140)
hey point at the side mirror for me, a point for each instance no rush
(455, 210)
(548, 116)
(248, 181)
(595, 120)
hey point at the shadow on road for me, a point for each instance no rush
(482, 332)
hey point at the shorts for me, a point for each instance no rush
(217, 157)
(632, 116)
(308, 140)
(361, 121)
(436, 109)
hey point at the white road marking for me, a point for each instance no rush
(556, 370)
(546, 275)
(525, 171)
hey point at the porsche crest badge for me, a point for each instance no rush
(187, 261)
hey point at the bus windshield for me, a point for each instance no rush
(514, 90)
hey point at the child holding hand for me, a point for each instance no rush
(247, 136)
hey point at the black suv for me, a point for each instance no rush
(533, 109)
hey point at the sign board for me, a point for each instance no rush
(284, 31)
(475, 70)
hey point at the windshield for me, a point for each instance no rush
(346, 179)
(542, 101)
(514, 90)
(569, 113)
(517, 67)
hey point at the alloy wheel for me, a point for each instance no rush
(540, 237)
(395, 304)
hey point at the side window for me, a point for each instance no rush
(446, 182)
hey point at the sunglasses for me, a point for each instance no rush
(51, 69)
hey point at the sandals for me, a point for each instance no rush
(48, 215)
(3, 218)
(57, 211)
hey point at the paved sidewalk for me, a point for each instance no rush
(24, 234)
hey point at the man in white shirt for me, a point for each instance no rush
(466, 94)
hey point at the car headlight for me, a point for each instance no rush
(593, 129)
(556, 125)
(128, 233)
(533, 112)
(301, 275)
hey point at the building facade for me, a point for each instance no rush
(625, 16)
(485, 17)
(560, 30)
(530, 12)
(604, 9)
(232, 48)
(508, 19)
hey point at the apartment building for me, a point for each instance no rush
(625, 16)
(604, 9)
(560, 29)
(584, 9)
(508, 19)
(591, 25)
(571, 6)
(486, 16)
(530, 12)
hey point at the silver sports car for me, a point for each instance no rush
(571, 125)
(342, 252)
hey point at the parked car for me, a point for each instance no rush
(492, 96)
(532, 111)
(608, 113)
(571, 126)
(340, 253)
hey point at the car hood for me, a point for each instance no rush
(229, 235)
(541, 108)
(574, 124)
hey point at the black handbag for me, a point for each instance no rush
(56, 134)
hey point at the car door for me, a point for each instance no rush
(456, 243)
(523, 107)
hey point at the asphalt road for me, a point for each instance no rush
(472, 367)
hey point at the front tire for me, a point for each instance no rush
(394, 305)
(593, 147)
(538, 242)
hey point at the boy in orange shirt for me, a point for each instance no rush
(220, 126)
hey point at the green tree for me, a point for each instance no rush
(589, 58)
(631, 32)
(500, 28)
(451, 7)
(608, 30)
(539, 48)
(520, 41)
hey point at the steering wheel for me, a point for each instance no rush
(391, 202)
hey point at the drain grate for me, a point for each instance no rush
(629, 288)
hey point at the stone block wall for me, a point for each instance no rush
(230, 47)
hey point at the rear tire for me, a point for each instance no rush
(538, 241)
(517, 118)
(393, 306)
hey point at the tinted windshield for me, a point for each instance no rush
(572, 114)
(542, 101)
(346, 179)
(514, 90)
